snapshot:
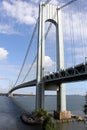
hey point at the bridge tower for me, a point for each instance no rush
(51, 13)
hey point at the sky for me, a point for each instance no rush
(17, 21)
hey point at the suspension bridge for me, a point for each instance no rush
(59, 54)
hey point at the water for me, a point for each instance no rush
(74, 104)
(72, 126)
(10, 116)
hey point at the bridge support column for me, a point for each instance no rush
(40, 60)
(60, 60)
(58, 99)
(40, 96)
(10, 95)
(61, 112)
(62, 98)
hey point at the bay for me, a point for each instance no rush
(74, 103)
(10, 116)
(12, 108)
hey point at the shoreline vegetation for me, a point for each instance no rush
(41, 117)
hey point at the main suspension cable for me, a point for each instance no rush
(29, 68)
(31, 40)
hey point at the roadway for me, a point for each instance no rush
(72, 74)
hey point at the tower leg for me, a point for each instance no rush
(40, 97)
(58, 99)
(61, 112)
(62, 98)
(40, 61)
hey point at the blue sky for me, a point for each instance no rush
(17, 20)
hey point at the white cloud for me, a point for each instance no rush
(35, 1)
(6, 29)
(22, 11)
(50, 65)
(15, 14)
(48, 61)
(3, 53)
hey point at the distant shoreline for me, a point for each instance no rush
(14, 94)
(3, 94)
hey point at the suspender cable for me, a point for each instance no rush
(76, 32)
(33, 34)
(68, 46)
(82, 33)
(70, 36)
(72, 39)
(30, 68)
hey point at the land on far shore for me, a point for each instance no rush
(19, 94)
(3, 94)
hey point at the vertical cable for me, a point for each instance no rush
(83, 21)
(72, 37)
(81, 24)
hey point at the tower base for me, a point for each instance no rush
(10, 95)
(62, 115)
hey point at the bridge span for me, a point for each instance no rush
(51, 81)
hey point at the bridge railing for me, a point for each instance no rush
(76, 73)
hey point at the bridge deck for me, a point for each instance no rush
(72, 74)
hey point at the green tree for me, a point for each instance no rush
(47, 121)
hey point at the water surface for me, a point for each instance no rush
(74, 104)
